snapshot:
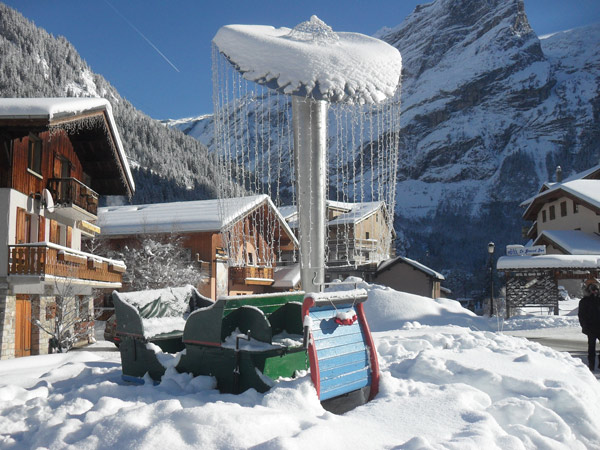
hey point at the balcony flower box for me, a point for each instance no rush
(117, 268)
(71, 258)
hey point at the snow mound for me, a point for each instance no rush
(481, 390)
(387, 309)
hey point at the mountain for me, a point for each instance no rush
(488, 112)
(166, 164)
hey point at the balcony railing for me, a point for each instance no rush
(45, 258)
(71, 191)
(355, 251)
(251, 275)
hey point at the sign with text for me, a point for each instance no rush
(521, 250)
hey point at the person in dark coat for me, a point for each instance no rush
(589, 318)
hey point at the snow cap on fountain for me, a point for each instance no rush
(312, 60)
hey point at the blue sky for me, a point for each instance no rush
(157, 53)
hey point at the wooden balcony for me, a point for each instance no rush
(76, 200)
(44, 258)
(252, 275)
(355, 251)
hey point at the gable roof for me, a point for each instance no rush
(592, 173)
(585, 191)
(572, 242)
(85, 120)
(357, 213)
(353, 213)
(388, 264)
(288, 211)
(191, 216)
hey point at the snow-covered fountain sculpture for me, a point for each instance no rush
(344, 83)
(344, 92)
(348, 80)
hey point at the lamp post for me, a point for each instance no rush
(491, 247)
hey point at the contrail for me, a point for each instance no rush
(142, 35)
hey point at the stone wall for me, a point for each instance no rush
(39, 338)
(7, 325)
(41, 310)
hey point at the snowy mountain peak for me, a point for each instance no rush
(488, 112)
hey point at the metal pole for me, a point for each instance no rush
(309, 118)
(491, 285)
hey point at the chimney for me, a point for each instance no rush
(558, 174)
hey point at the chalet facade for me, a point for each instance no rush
(238, 241)
(565, 218)
(359, 237)
(57, 155)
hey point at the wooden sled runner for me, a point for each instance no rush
(248, 342)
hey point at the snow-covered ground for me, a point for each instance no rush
(449, 380)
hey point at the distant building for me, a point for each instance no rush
(257, 236)
(359, 237)
(565, 218)
(57, 156)
(407, 275)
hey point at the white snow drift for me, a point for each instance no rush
(447, 381)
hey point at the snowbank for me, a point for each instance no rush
(444, 384)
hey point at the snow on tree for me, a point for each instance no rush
(153, 261)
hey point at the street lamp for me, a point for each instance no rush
(491, 247)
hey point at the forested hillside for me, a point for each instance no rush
(167, 165)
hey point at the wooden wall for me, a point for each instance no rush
(54, 144)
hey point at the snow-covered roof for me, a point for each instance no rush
(549, 262)
(313, 60)
(592, 173)
(359, 211)
(61, 109)
(411, 262)
(340, 205)
(574, 242)
(586, 190)
(198, 215)
(49, 108)
(355, 212)
(286, 277)
(288, 211)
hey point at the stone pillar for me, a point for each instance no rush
(42, 311)
(7, 324)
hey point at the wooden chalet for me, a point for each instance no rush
(57, 156)
(359, 238)
(239, 242)
(407, 275)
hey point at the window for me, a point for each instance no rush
(552, 213)
(543, 215)
(575, 207)
(367, 235)
(250, 258)
(34, 157)
(563, 209)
